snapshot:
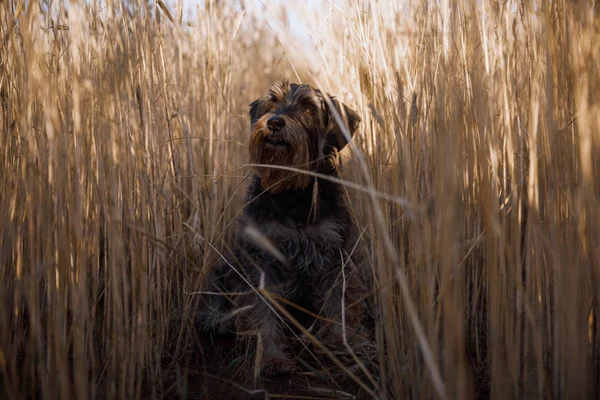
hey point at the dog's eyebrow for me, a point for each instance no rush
(304, 94)
(300, 92)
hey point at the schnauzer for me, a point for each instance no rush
(296, 237)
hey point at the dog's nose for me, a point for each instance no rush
(275, 123)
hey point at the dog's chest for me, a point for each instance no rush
(294, 208)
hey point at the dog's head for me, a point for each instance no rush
(295, 126)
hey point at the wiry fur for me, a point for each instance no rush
(305, 230)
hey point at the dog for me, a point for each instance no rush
(296, 237)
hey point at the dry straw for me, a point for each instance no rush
(475, 177)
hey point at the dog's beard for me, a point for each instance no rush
(293, 152)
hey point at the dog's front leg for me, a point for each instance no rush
(265, 325)
(257, 317)
(342, 314)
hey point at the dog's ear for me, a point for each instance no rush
(254, 110)
(335, 135)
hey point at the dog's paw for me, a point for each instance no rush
(276, 366)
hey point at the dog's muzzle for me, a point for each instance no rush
(275, 123)
(276, 134)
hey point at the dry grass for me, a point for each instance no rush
(122, 154)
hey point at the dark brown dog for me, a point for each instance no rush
(296, 238)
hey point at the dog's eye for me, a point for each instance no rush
(307, 111)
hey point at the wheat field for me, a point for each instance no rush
(475, 176)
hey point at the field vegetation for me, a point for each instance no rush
(475, 176)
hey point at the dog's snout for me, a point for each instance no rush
(275, 123)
